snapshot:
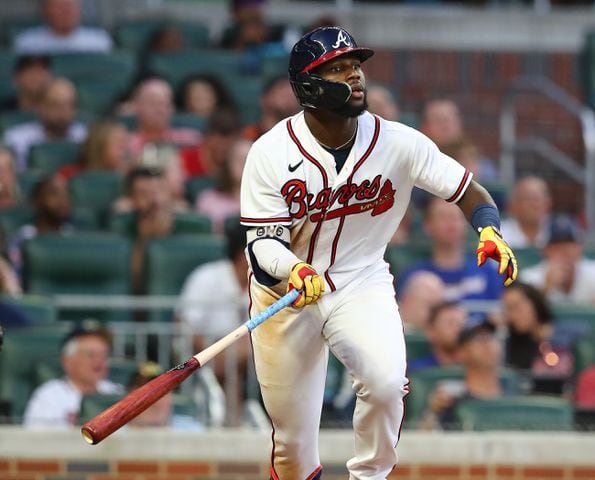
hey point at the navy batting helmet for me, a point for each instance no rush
(313, 49)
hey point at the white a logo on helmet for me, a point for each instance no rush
(342, 39)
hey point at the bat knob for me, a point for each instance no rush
(88, 435)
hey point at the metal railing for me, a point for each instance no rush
(511, 144)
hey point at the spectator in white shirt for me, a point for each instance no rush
(529, 210)
(565, 275)
(57, 121)
(214, 302)
(85, 354)
(62, 32)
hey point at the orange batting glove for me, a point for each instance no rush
(304, 277)
(492, 245)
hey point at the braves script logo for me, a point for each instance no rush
(371, 196)
(341, 39)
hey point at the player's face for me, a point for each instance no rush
(347, 69)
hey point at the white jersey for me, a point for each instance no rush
(341, 222)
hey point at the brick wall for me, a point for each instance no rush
(31, 469)
(477, 81)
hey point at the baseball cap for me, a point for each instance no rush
(26, 61)
(564, 228)
(88, 327)
(474, 327)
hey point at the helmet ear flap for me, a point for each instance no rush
(313, 91)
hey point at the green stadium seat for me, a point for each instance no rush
(15, 117)
(401, 257)
(136, 34)
(417, 346)
(184, 223)
(516, 413)
(99, 96)
(11, 28)
(176, 67)
(423, 382)
(96, 191)
(584, 353)
(528, 256)
(49, 157)
(7, 91)
(572, 314)
(23, 350)
(170, 260)
(14, 218)
(195, 185)
(27, 181)
(38, 308)
(246, 93)
(274, 66)
(91, 66)
(7, 61)
(82, 263)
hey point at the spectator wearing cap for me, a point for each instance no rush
(30, 77)
(62, 32)
(445, 323)
(480, 354)
(161, 413)
(564, 275)
(85, 354)
(57, 122)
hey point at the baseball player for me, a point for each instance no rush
(322, 194)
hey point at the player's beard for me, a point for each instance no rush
(352, 111)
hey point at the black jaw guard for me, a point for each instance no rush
(313, 91)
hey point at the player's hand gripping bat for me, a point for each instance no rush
(137, 401)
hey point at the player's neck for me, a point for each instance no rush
(331, 130)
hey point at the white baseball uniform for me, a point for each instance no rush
(340, 223)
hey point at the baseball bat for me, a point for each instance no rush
(137, 401)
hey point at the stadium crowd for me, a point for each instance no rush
(141, 134)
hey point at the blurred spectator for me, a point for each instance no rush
(51, 203)
(249, 29)
(161, 413)
(62, 32)
(381, 101)
(105, 148)
(168, 160)
(443, 124)
(565, 275)
(445, 323)
(9, 280)
(529, 208)
(223, 201)
(208, 156)
(531, 343)
(480, 353)
(277, 102)
(585, 389)
(166, 39)
(30, 78)
(203, 94)
(85, 354)
(422, 292)
(214, 302)
(154, 108)
(57, 121)
(149, 198)
(9, 185)
(467, 154)
(447, 228)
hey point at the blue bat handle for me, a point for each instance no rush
(280, 304)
